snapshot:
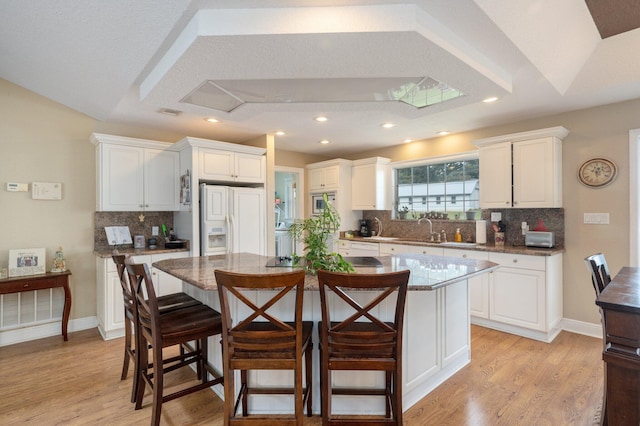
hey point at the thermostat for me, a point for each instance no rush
(17, 187)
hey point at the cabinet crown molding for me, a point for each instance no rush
(98, 138)
(558, 132)
(334, 162)
(223, 146)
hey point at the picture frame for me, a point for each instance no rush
(29, 261)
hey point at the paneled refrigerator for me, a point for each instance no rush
(232, 220)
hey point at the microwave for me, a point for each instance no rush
(317, 202)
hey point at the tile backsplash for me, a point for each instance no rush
(553, 219)
(132, 220)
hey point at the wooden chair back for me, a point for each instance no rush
(362, 334)
(127, 293)
(600, 276)
(146, 311)
(259, 330)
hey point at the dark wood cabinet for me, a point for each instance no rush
(620, 304)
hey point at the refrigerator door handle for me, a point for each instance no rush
(230, 223)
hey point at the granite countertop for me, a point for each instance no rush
(510, 249)
(106, 252)
(427, 272)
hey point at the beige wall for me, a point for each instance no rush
(42, 141)
(45, 141)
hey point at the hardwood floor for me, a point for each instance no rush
(510, 381)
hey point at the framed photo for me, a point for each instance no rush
(30, 261)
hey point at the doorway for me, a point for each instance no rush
(634, 199)
(289, 206)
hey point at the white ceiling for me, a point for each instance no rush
(121, 61)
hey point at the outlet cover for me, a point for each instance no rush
(496, 216)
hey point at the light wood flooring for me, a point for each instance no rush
(510, 381)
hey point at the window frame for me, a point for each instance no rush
(426, 161)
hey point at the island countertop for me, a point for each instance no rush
(427, 272)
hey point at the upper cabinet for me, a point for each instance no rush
(229, 166)
(135, 174)
(371, 184)
(522, 170)
(324, 178)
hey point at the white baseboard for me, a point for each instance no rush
(581, 327)
(24, 334)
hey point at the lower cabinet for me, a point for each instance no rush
(355, 248)
(478, 286)
(110, 306)
(524, 296)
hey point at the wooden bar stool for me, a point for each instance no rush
(260, 340)
(362, 341)
(165, 304)
(600, 278)
(176, 327)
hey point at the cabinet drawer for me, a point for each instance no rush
(466, 254)
(27, 285)
(519, 261)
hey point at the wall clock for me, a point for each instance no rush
(597, 172)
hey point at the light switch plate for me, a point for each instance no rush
(596, 218)
(154, 231)
(496, 216)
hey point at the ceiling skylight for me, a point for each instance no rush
(227, 95)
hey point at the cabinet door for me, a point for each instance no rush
(517, 297)
(495, 176)
(249, 168)
(120, 178)
(216, 165)
(316, 179)
(478, 286)
(535, 173)
(164, 283)
(161, 180)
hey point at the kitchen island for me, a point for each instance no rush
(436, 339)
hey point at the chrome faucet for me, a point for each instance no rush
(431, 233)
(379, 226)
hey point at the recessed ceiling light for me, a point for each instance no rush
(320, 119)
(387, 125)
(443, 132)
(212, 120)
(489, 100)
(280, 133)
(407, 140)
(324, 142)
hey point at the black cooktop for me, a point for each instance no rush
(356, 261)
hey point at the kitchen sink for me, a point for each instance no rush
(456, 244)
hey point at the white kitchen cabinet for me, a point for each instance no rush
(331, 175)
(110, 305)
(357, 248)
(525, 295)
(478, 286)
(522, 170)
(135, 174)
(229, 166)
(371, 184)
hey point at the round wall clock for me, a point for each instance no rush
(597, 172)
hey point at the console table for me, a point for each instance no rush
(41, 282)
(620, 304)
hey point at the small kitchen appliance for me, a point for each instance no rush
(365, 228)
(539, 239)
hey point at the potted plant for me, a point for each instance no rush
(316, 233)
(402, 212)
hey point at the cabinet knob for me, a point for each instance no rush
(515, 260)
(506, 202)
(464, 255)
